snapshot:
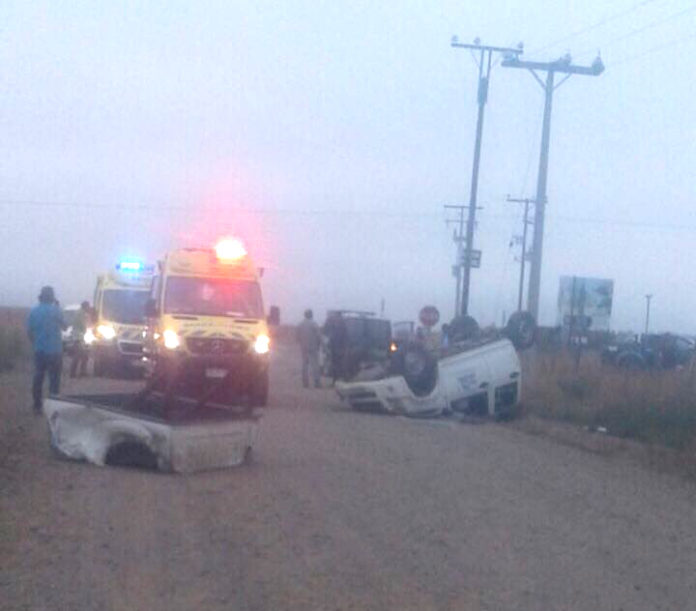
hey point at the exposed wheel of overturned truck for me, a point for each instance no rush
(418, 367)
(521, 330)
(463, 328)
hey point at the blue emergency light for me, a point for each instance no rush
(129, 266)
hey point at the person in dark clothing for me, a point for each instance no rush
(309, 338)
(78, 365)
(44, 328)
(335, 329)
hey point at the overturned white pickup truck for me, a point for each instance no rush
(482, 378)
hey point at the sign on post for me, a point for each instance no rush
(429, 316)
(475, 258)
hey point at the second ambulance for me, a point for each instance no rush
(116, 336)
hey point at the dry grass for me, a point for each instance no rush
(13, 344)
(657, 407)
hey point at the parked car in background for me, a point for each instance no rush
(368, 342)
(649, 351)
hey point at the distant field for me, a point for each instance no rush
(657, 407)
(13, 342)
(13, 317)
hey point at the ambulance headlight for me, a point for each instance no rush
(171, 339)
(89, 336)
(106, 331)
(262, 345)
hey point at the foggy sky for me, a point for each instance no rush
(330, 134)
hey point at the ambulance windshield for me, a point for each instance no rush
(213, 297)
(124, 306)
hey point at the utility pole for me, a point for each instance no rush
(483, 61)
(648, 298)
(458, 240)
(523, 256)
(563, 66)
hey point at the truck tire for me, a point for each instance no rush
(100, 366)
(463, 328)
(521, 330)
(418, 367)
(259, 390)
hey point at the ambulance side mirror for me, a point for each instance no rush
(274, 316)
(151, 309)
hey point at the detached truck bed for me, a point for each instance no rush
(126, 429)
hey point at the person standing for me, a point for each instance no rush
(78, 365)
(309, 338)
(44, 328)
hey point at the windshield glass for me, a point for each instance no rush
(213, 297)
(124, 306)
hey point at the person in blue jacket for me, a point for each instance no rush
(44, 327)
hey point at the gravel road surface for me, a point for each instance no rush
(342, 510)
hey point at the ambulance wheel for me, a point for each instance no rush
(259, 390)
(100, 366)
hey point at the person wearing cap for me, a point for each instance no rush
(78, 364)
(309, 338)
(44, 328)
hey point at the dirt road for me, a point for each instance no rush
(341, 510)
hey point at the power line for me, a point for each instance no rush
(644, 28)
(596, 25)
(373, 212)
(652, 50)
(348, 212)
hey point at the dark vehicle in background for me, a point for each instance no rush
(368, 342)
(649, 351)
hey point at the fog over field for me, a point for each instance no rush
(329, 135)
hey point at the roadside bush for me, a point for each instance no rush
(652, 406)
(11, 347)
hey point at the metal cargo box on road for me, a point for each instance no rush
(102, 429)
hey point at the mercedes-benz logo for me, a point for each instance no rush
(216, 346)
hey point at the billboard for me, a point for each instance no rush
(585, 303)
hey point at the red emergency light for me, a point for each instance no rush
(230, 249)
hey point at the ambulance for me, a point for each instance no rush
(115, 337)
(207, 336)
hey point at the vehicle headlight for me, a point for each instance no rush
(89, 336)
(106, 331)
(171, 339)
(262, 344)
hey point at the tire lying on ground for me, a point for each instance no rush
(418, 367)
(521, 330)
